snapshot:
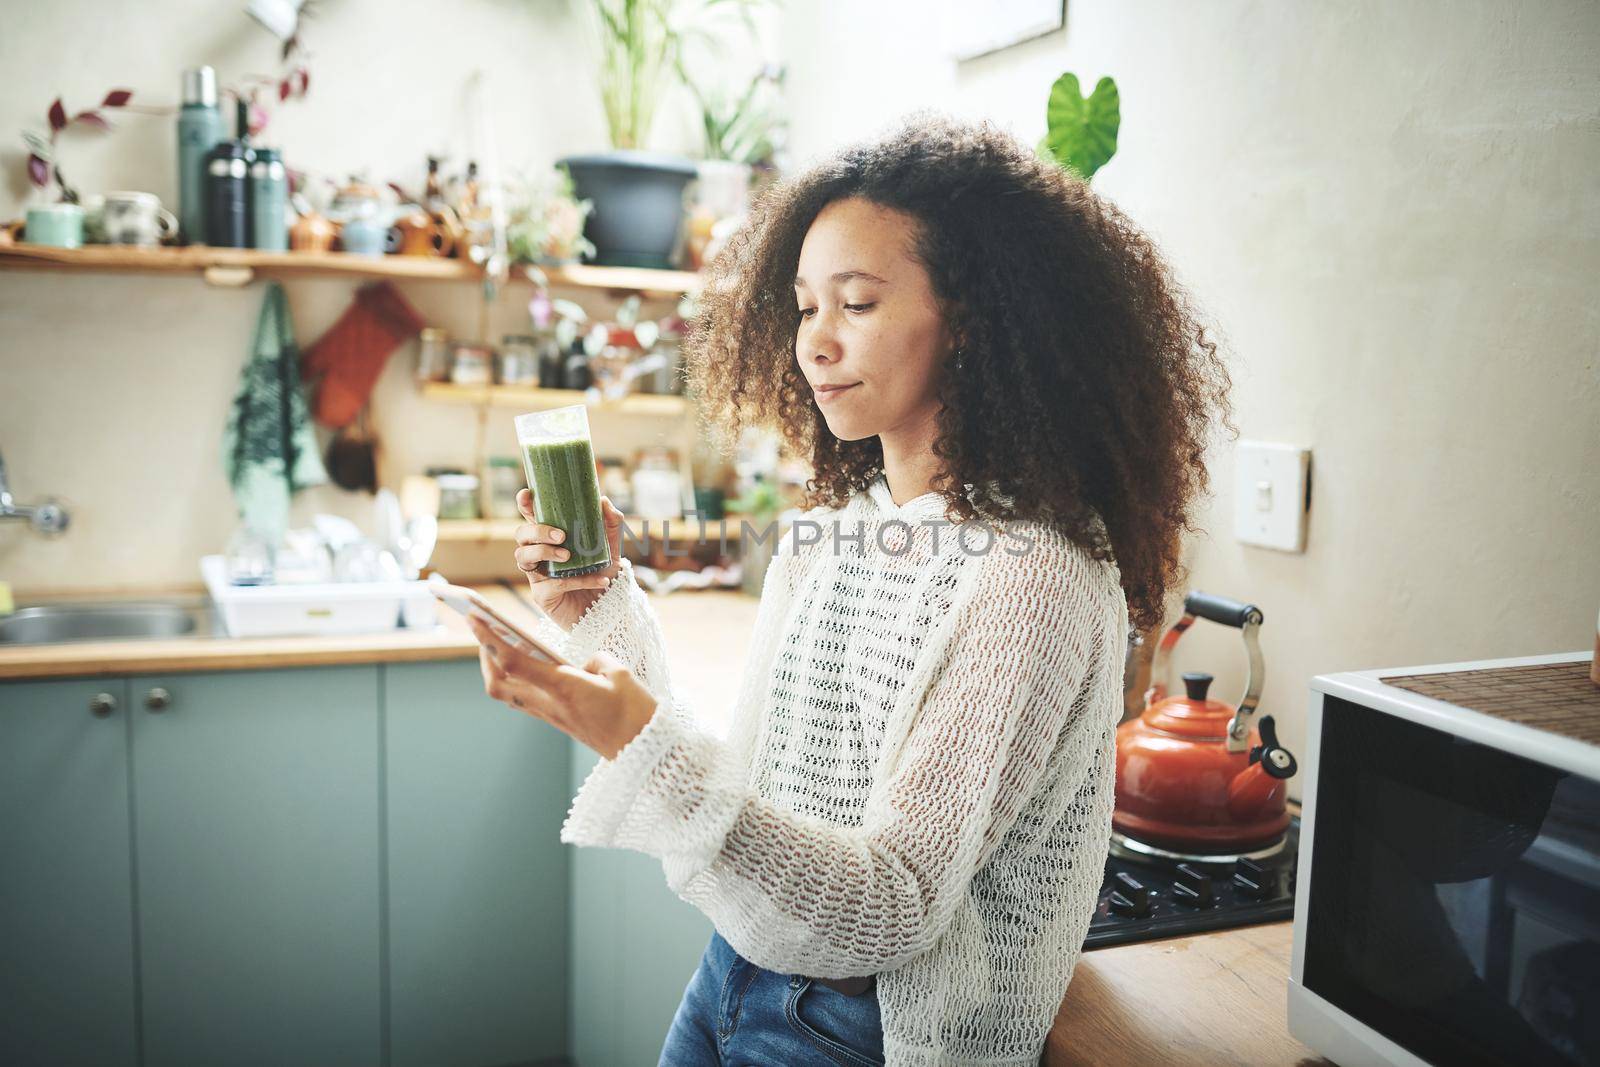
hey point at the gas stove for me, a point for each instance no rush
(1144, 898)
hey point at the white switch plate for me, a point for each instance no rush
(1270, 497)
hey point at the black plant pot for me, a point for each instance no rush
(638, 204)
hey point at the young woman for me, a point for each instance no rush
(1005, 400)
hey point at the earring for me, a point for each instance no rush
(961, 358)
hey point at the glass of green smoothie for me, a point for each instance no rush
(558, 458)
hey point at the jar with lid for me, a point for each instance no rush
(433, 355)
(458, 496)
(503, 475)
(471, 363)
(552, 361)
(615, 484)
(575, 375)
(657, 484)
(518, 360)
(611, 367)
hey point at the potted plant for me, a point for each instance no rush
(638, 195)
(544, 220)
(741, 130)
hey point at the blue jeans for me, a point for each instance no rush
(735, 1014)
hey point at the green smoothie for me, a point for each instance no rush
(566, 495)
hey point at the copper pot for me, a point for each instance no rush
(311, 233)
(1194, 781)
(421, 235)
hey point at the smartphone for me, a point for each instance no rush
(469, 602)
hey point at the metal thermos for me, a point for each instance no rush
(228, 187)
(199, 129)
(269, 202)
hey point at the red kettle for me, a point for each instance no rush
(1194, 782)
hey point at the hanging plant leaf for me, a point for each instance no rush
(92, 118)
(283, 90)
(37, 144)
(38, 171)
(305, 80)
(58, 117)
(1082, 132)
(117, 98)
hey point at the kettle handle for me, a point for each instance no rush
(1247, 618)
(1221, 609)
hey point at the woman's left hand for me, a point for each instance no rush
(602, 705)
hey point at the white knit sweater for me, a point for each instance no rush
(917, 782)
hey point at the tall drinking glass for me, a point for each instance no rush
(558, 458)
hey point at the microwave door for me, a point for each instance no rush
(1447, 911)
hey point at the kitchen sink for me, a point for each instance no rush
(107, 621)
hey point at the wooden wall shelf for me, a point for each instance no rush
(239, 266)
(531, 398)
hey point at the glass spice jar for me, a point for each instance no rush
(458, 496)
(471, 364)
(433, 356)
(518, 360)
(504, 480)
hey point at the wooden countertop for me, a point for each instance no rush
(1218, 998)
(712, 617)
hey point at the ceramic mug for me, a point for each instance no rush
(367, 236)
(135, 219)
(56, 225)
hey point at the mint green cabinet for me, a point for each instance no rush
(478, 877)
(635, 945)
(66, 908)
(257, 866)
(345, 865)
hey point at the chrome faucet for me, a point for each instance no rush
(47, 518)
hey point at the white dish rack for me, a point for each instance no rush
(316, 608)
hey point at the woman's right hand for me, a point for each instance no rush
(564, 599)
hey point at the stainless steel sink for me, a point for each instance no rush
(107, 621)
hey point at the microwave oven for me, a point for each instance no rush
(1447, 906)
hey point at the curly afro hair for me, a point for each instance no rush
(1087, 385)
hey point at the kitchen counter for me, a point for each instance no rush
(1217, 998)
(1213, 998)
(719, 620)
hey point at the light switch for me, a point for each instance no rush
(1271, 495)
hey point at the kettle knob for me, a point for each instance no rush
(1195, 683)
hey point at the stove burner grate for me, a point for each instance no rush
(1147, 896)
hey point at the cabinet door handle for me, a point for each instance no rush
(101, 705)
(158, 699)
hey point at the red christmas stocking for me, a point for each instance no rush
(351, 355)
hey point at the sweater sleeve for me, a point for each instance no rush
(797, 895)
(622, 622)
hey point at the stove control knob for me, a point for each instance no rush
(1252, 880)
(1193, 887)
(1130, 897)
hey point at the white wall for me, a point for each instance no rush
(114, 388)
(1391, 210)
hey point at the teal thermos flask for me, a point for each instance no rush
(269, 202)
(199, 129)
